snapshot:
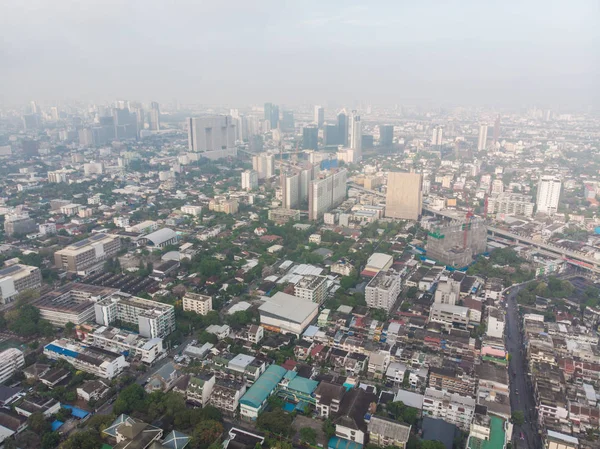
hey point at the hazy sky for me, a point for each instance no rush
(240, 52)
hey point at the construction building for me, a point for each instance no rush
(457, 243)
(510, 204)
(88, 255)
(404, 197)
(281, 215)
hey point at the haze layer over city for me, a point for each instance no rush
(277, 225)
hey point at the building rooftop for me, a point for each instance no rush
(497, 436)
(288, 307)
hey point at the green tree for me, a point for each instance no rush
(131, 398)
(37, 423)
(432, 444)
(328, 428)
(50, 440)
(275, 422)
(412, 292)
(308, 435)
(87, 439)
(518, 418)
(206, 433)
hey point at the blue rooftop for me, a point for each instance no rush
(263, 387)
(67, 352)
(76, 411)
(340, 443)
(56, 425)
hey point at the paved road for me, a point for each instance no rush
(519, 378)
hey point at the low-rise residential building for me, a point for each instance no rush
(378, 363)
(200, 388)
(328, 396)
(449, 316)
(255, 399)
(92, 390)
(226, 396)
(350, 424)
(194, 302)
(99, 362)
(37, 404)
(451, 407)
(386, 432)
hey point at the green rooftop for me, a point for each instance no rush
(497, 436)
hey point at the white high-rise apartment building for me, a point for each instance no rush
(319, 115)
(326, 193)
(497, 186)
(264, 165)
(290, 190)
(383, 290)
(482, 141)
(436, 139)
(548, 194)
(355, 132)
(249, 180)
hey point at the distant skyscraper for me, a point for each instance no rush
(367, 142)
(436, 139)
(386, 136)
(212, 134)
(342, 118)
(287, 121)
(249, 180)
(154, 116)
(355, 132)
(125, 124)
(404, 198)
(264, 165)
(54, 113)
(290, 190)
(496, 130)
(548, 194)
(34, 107)
(331, 134)
(272, 114)
(310, 137)
(31, 121)
(482, 141)
(319, 116)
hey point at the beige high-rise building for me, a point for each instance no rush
(404, 199)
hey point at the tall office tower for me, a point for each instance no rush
(287, 121)
(436, 139)
(154, 116)
(355, 132)
(272, 114)
(31, 121)
(326, 193)
(54, 113)
(548, 194)
(86, 137)
(214, 136)
(496, 130)
(33, 107)
(482, 141)
(319, 116)
(342, 119)
(386, 136)
(264, 165)
(137, 109)
(290, 190)
(249, 180)
(330, 134)
(125, 124)
(404, 199)
(310, 137)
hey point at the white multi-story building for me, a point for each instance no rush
(449, 315)
(191, 210)
(122, 341)
(326, 193)
(121, 222)
(249, 180)
(497, 187)
(383, 290)
(495, 323)
(213, 136)
(194, 302)
(452, 408)
(510, 204)
(154, 319)
(436, 139)
(482, 140)
(447, 292)
(312, 288)
(99, 362)
(264, 165)
(548, 195)
(11, 360)
(47, 228)
(93, 168)
(88, 255)
(356, 133)
(17, 278)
